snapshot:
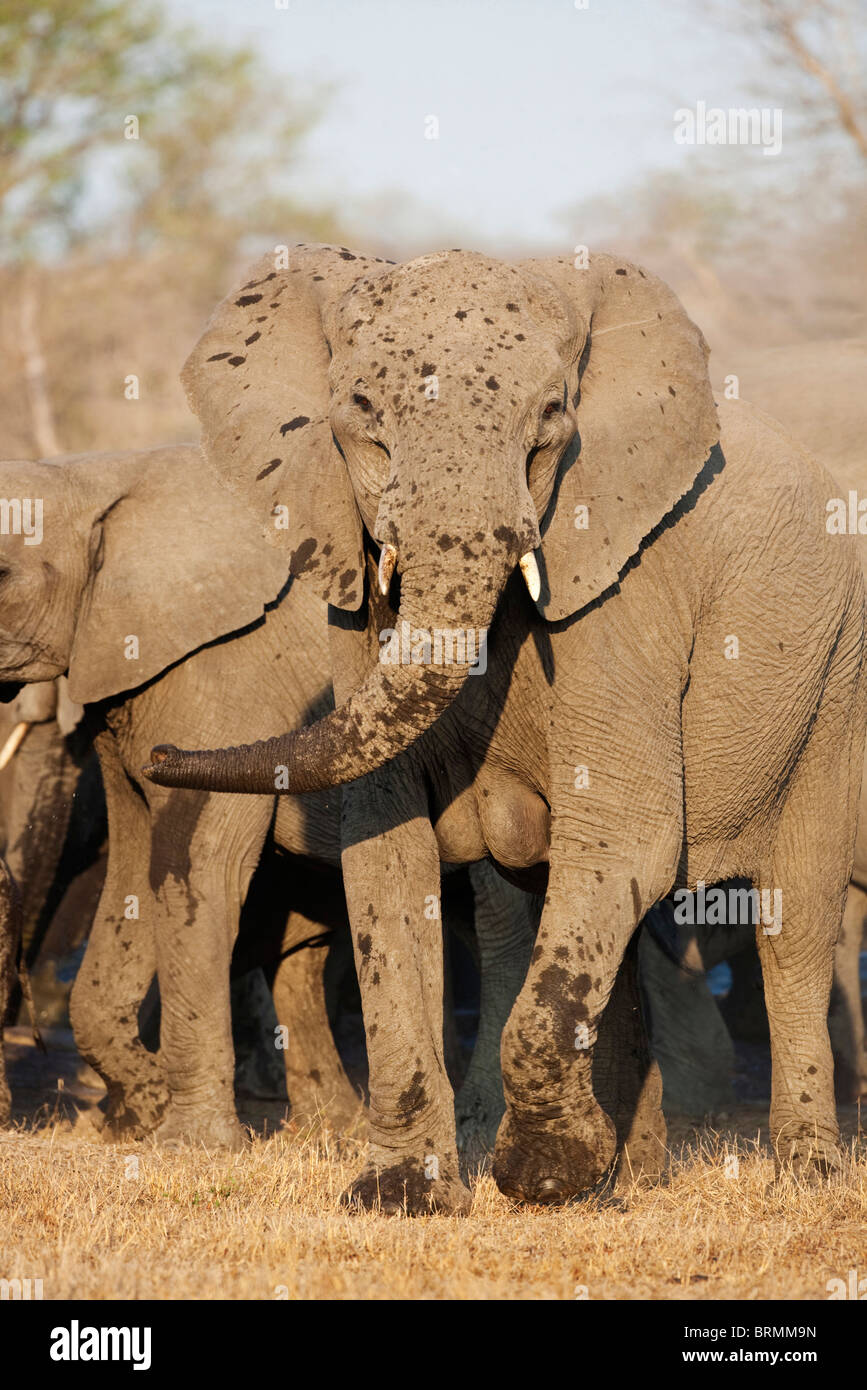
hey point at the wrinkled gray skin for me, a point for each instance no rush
(610, 743)
(133, 550)
(142, 546)
(816, 390)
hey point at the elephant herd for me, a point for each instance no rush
(472, 581)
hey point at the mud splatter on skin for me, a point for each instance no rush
(405, 1187)
(171, 838)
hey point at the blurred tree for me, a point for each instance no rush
(114, 121)
(819, 45)
(748, 240)
(121, 133)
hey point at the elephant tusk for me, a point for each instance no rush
(530, 571)
(387, 562)
(13, 743)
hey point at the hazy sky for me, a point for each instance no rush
(540, 104)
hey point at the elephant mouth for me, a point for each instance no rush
(9, 691)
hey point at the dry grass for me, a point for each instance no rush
(266, 1223)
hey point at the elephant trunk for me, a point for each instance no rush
(422, 668)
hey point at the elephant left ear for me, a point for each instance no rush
(646, 425)
(173, 564)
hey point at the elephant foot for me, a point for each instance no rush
(541, 1167)
(5, 1099)
(200, 1128)
(415, 1186)
(643, 1155)
(131, 1112)
(477, 1118)
(811, 1157)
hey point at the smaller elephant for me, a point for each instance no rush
(153, 595)
(816, 389)
(805, 386)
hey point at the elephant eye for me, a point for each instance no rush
(552, 408)
(361, 401)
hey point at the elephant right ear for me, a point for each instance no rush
(646, 424)
(258, 381)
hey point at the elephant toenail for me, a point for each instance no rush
(550, 1192)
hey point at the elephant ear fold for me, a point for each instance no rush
(258, 381)
(646, 425)
(173, 564)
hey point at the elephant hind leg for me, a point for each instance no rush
(846, 1018)
(802, 897)
(317, 1085)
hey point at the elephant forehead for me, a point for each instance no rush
(449, 392)
(396, 353)
(446, 293)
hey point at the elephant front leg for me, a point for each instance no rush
(203, 853)
(556, 1140)
(119, 964)
(111, 984)
(392, 880)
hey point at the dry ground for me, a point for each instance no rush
(96, 1221)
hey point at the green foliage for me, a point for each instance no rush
(209, 121)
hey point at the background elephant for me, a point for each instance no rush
(52, 833)
(484, 413)
(816, 390)
(144, 589)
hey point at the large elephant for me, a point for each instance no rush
(467, 419)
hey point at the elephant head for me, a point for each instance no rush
(115, 566)
(463, 415)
